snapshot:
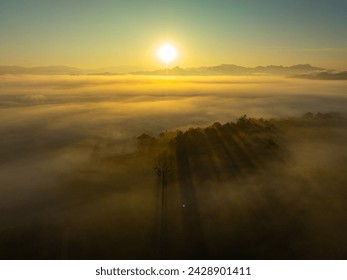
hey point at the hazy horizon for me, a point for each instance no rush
(202, 70)
(127, 69)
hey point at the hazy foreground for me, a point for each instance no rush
(76, 182)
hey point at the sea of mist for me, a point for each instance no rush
(51, 125)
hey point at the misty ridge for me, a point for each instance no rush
(219, 70)
(251, 174)
(236, 70)
(324, 76)
(303, 71)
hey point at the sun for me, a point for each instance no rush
(167, 53)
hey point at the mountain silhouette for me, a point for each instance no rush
(219, 70)
(324, 76)
(235, 70)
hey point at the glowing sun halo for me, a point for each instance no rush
(167, 53)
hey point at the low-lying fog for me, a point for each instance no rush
(66, 108)
(49, 126)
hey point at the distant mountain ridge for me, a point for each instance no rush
(235, 70)
(323, 76)
(219, 70)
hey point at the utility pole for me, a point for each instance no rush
(163, 170)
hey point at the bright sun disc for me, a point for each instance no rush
(167, 53)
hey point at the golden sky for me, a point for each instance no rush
(95, 34)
